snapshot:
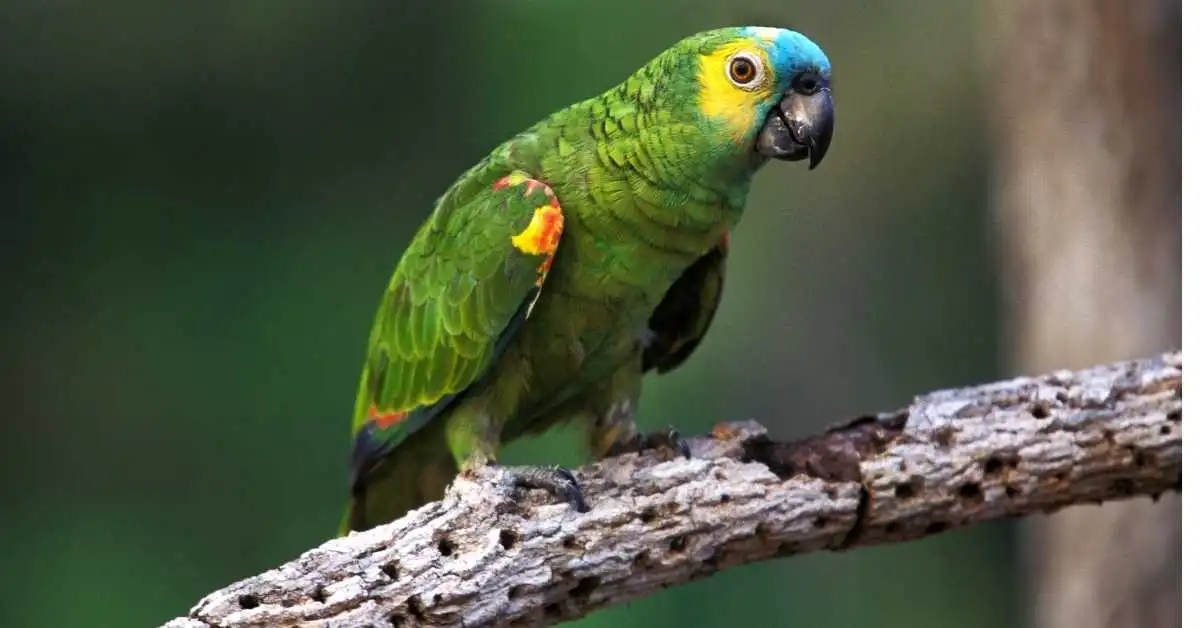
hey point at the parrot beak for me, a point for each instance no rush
(799, 127)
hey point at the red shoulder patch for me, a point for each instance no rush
(504, 182)
(385, 420)
(531, 184)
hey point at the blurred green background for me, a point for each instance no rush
(205, 201)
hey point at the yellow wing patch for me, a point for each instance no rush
(720, 98)
(541, 236)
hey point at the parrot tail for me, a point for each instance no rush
(413, 475)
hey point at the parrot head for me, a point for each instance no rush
(765, 92)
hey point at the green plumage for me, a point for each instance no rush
(481, 338)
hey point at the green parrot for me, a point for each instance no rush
(575, 258)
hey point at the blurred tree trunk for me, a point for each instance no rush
(1086, 116)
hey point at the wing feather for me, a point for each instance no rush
(458, 295)
(683, 317)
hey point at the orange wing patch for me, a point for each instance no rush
(543, 233)
(386, 420)
(545, 228)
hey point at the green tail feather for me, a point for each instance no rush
(415, 474)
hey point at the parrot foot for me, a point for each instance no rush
(669, 439)
(560, 483)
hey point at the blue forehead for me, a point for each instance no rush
(790, 51)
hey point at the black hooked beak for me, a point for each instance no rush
(801, 125)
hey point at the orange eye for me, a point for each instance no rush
(742, 70)
(745, 70)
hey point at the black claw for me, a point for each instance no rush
(558, 481)
(675, 442)
(679, 445)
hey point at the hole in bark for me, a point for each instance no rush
(1061, 476)
(642, 560)
(999, 462)
(647, 514)
(678, 543)
(437, 599)
(585, 587)
(992, 466)
(413, 605)
(944, 436)
(1140, 459)
(760, 529)
(970, 492)
(936, 527)
(1108, 437)
(1164, 430)
(247, 601)
(830, 492)
(318, 595)
(763, 451)
(518, 590)
(1040, 411)
(906, 490)
(1061, 396)
(819, 523)
(508, 539)
(1175, 415)
(724, 498)
(569, 542)
(390, 571)
(553, 611)
(396, 620)
(445, 546)
(1011, 491)
(891, 528)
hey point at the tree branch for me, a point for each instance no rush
(952, 458)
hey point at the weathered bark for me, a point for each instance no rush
(1087, 135)
(952, 458)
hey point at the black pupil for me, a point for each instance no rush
(743, 70)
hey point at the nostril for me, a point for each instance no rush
(808, 83)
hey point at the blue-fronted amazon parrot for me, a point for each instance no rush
(576, 257)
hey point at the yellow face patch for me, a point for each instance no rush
(723, 99)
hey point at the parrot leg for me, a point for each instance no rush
(475, 442)
(615, 431)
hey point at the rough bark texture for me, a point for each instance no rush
(1087, 135)
(952, 458)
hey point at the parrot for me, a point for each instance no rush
(578, 256)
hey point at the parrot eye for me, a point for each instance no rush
(745, 70)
